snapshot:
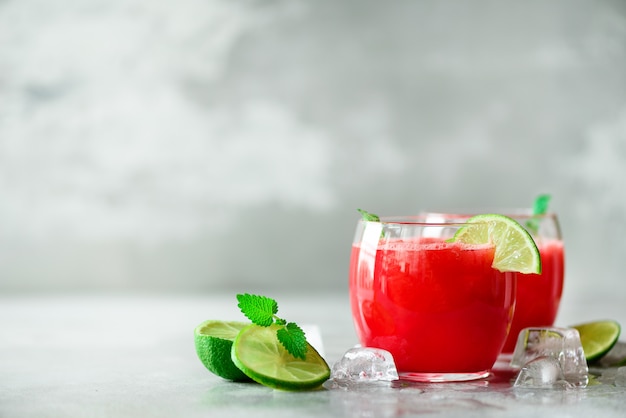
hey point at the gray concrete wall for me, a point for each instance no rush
(198, 145)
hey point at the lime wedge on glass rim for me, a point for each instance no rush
(214, 342)
(259, 354)
(598, 337)
(515, 249)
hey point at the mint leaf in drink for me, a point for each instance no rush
(262, 311)
(540, 207)
(369, 216)
(258, 309)
(293, 339)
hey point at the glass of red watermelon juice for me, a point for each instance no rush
(438, 307)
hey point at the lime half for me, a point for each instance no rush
(598, 337)
(259, 354)
(214, 341)
(515, 249)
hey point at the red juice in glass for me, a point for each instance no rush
(440, 308)
(538, 295)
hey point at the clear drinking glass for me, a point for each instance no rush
(438, 307)
(538, 295)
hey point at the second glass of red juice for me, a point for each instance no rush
(538, 295)
(439, 307)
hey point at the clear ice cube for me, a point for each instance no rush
(620, 377)
(561, 344)
(365, 364)
(612, 376)
(542, 372)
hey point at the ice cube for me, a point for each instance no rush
(620, 377)
(365, 364)
(562, 344)
(612, 376)
(542, 372)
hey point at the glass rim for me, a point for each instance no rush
(415, 220)
(464, 213)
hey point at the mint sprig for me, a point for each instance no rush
(540, 207)
(369, 216)
(262, 311)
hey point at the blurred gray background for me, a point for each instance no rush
(203, 145)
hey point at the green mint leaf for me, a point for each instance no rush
(262, 311)
(369, 216)
(541, 204)
(293, 339)
(258, 309)
(540, 207)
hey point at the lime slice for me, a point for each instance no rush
(214, 341)
(259, 354)
(598, 337)
(515, 249)
(616, 357)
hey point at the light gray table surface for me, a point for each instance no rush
(133, 355)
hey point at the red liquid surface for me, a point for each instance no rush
(437, 307)
(538, 295)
